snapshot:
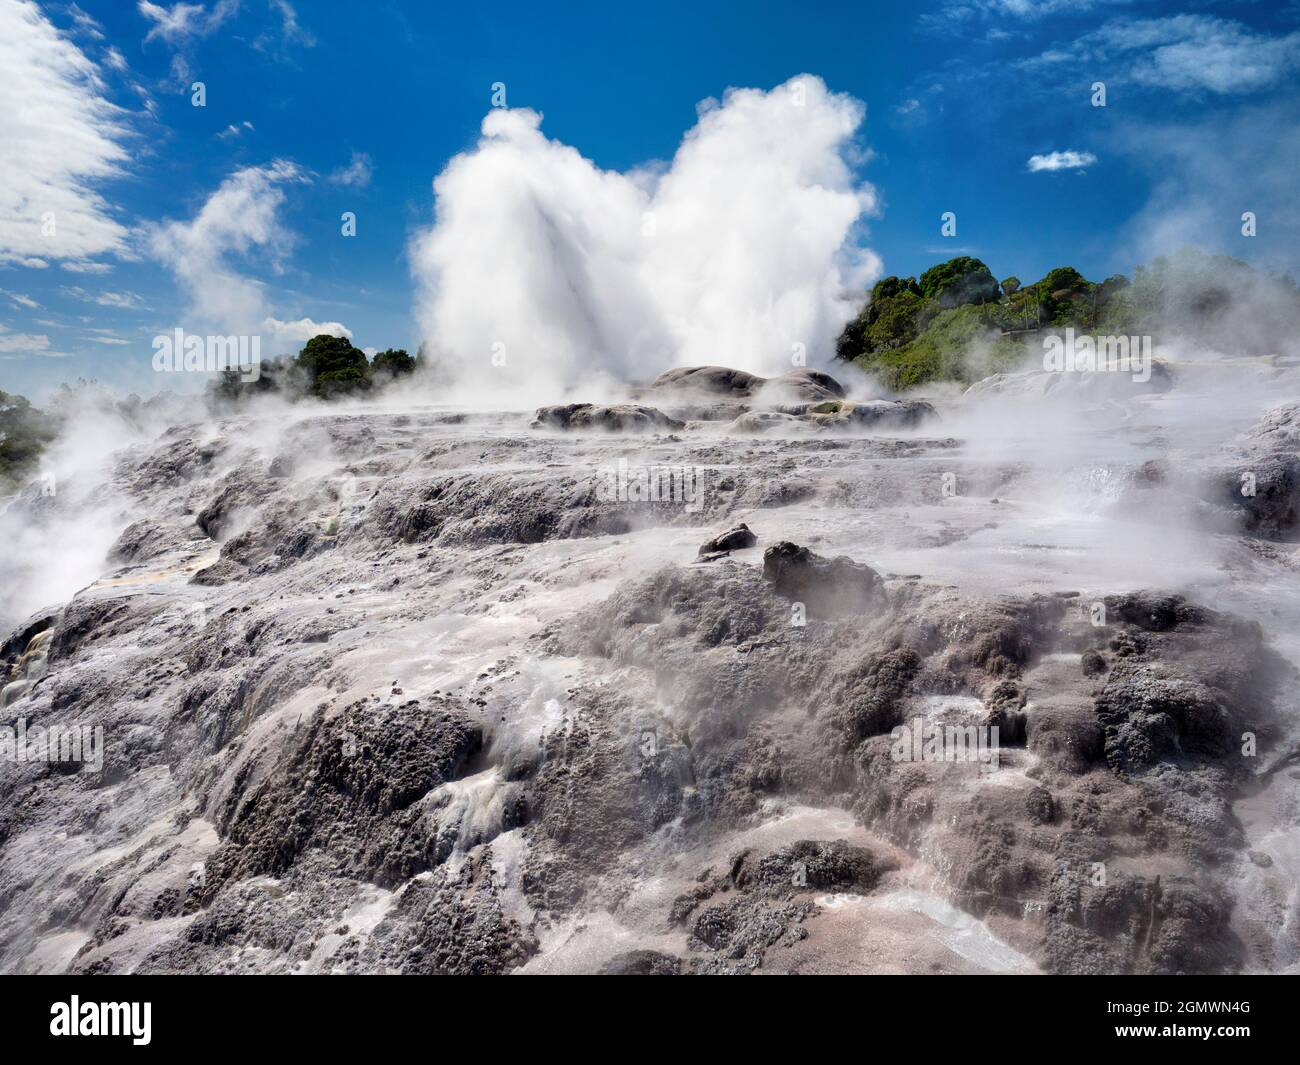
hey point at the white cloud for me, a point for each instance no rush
(182, 22)
(1022, 9)
(958, 16)
(289, 336)
(181, 26)
(121, 300)
(84, 23)
(236, 219)
(115, 60)
(356, 175)
(1067, 160)
(77, 267)
(1182, 53)
(61, 138)
(15, 344)
(290, 28)
(102, 339)
(240, 218)
(234, 131)
(19, 299)
(743, 248)
(124, 300)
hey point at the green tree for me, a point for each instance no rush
(24, 433)
(1064, 297)
(890, 318)
(960, 281)
(331, 366)
(393, 362)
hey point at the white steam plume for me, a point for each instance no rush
(542, 272)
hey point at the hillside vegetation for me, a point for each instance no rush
(24, 432)
(327, 367)
(958, 323)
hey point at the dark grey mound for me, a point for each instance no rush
(756, 905)
(826, 586)
(622, 417)
(732, 540)
(1263, 491)
(806, 386)
(223, 571)
(811, 386)
(350, 787)
(143, 540)
(1262, 488)
(714, 380)
(869, 414)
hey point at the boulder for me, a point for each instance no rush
(799, 386)
(621, 417)
(825, 585)
(732, 540)
(1262, 490)
(710, 380)
(871, 414)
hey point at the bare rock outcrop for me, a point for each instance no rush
(622, 417)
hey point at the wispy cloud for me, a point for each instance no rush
(183, 22)
(82, 267)
(1003, 17)
(241, 217)
(356, 175)
(181, 26)
(84, 23)
(19, 299)
(13, 345)
(1067, 160)
(290, 28)
(61, 138)
(1182, 53)
(120, 300)
(234, 131)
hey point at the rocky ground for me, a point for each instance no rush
(614, 688)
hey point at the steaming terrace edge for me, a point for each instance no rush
(599, 507)
(408, 689)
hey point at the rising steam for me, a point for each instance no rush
(542, 271)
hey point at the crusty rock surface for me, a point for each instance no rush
(407, 692)
(623, 417)
(827, 585)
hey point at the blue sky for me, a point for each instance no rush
(363, 104)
